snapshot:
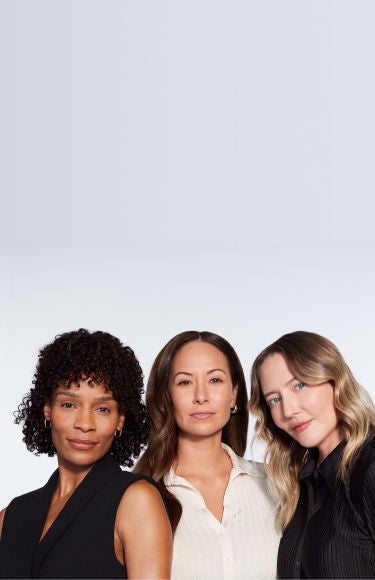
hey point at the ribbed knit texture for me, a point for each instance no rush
(243, 545)
(332, 534)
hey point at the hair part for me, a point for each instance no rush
(163, 439)
(312, 359)
(69, 358)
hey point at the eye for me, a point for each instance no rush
(274, 401)
(300, 386)
(67, 405)
(103, 410)
(184, 382)
(216, 380)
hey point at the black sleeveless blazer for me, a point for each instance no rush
(80, 542)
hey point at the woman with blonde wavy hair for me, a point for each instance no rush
(318, 424)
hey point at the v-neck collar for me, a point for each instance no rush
(102, 471)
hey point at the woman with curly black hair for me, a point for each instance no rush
(91, 519)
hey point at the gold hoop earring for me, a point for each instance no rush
(233, 410)
(47, 423)
(118, 434)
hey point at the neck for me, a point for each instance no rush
(325, 450)
(203, 455)
(70, 479)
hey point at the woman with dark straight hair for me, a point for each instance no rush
(222, 514)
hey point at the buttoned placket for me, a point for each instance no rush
(220, 529)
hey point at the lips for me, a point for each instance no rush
(202, 415)
(83, 444)
(301, 426)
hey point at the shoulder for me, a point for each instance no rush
(143, 532)
(2, 514)
(253, 468)
(34, 497)
(364, 465)
(257, 480)
(14, 513)
(368, 449)
(127, 479)
(247, 466)
(140, 505)
(362, 483)
(20, 501)
(142, 490)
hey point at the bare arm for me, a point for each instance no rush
(143, 527)
(2, 514)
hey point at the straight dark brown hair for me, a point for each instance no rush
(163, 439)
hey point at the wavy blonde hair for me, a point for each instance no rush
(312, 359)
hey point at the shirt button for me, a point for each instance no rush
(298, 564)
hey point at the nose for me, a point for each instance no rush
(84, 420)
(289, 405)
(200, 392)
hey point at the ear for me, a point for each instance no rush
(47, 411)
(234, 396)
(120, 422)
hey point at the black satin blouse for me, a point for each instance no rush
(332, 533)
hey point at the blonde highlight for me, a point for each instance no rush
(312, 359)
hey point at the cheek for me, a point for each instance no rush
(179, 415)
(276, 415)
(176, 404)
(323, 402)
(59, 432)
(178, 410)
(115, 423)
(58, 421)
(223, 397)
(330, 411)
(59, 428)
(179, 402)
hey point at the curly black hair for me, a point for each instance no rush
(103, 358)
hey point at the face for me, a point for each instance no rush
(201, 390)
(306, 412)
(83, 419)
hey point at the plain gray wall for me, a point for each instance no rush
(182, 165)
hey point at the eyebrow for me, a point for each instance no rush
(191, 374)
(69, 393)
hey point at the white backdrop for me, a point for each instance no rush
(182, 165)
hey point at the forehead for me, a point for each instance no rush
(84, 383)
(199, 354)
(274, 371)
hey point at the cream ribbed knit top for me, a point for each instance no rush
(243, 545)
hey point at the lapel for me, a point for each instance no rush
(94, 480)
(29, 516)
